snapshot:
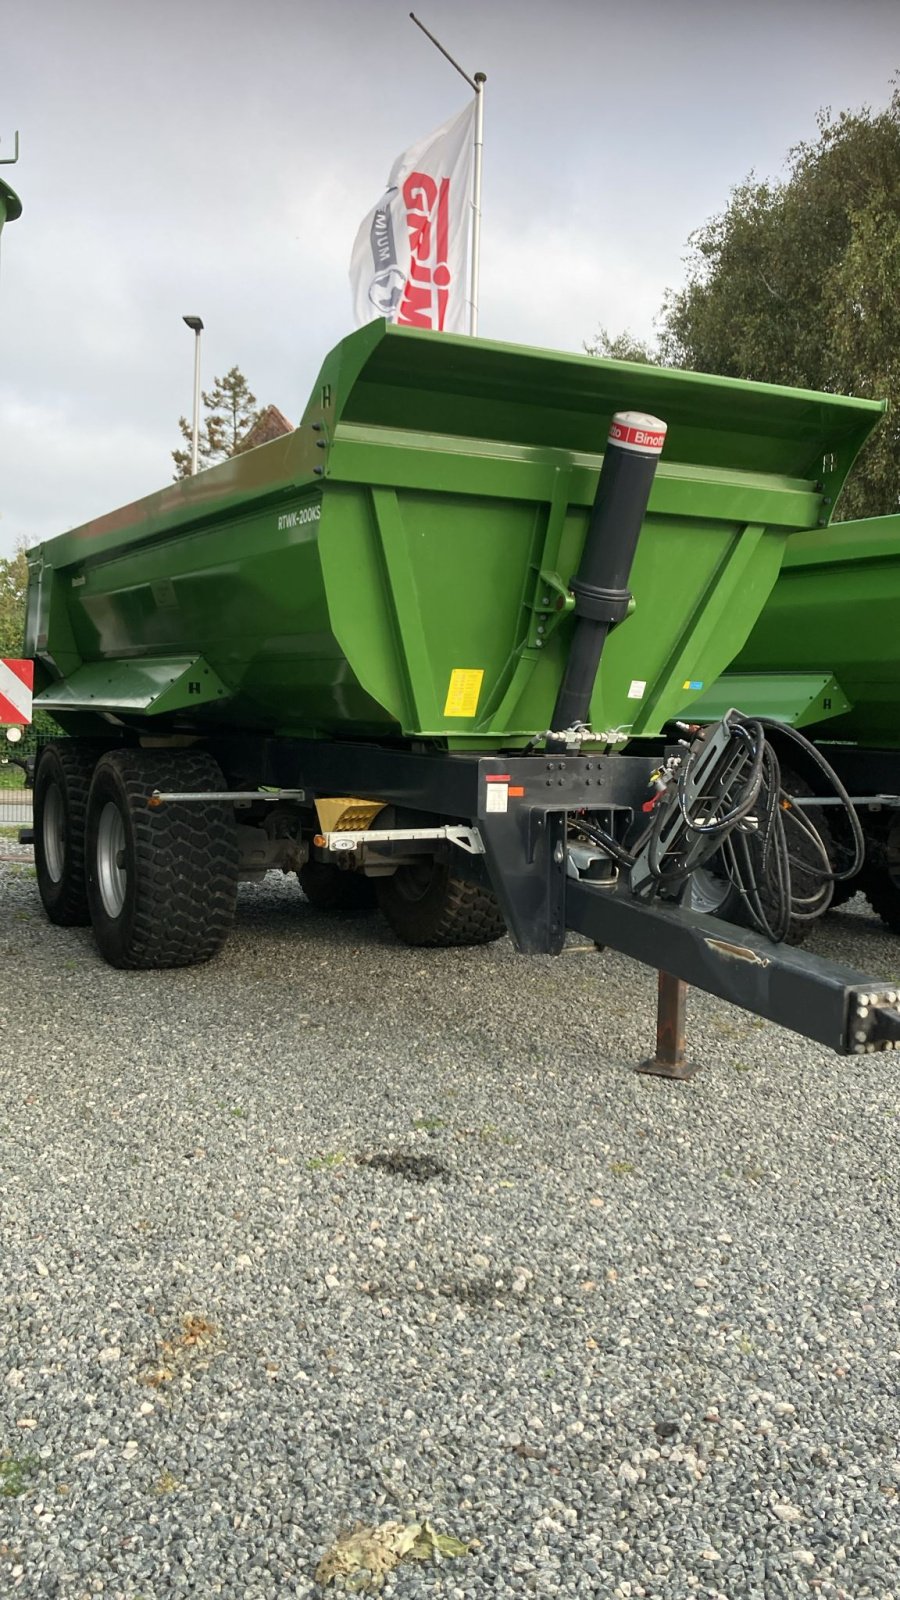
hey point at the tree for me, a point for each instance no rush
(798, 282)
(13, 584)
(231, 411)
(621, 347)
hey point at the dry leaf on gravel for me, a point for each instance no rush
(366, 1555)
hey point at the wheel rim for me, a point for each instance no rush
(413, 883)
(708, 891)
(54, 832)
(112, 877)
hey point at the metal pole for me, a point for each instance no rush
(196, 326)
(477, 83)
(480, 80)
(195, 437)
(671, 1022)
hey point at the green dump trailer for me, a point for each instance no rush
(398, 567)
(825, 651)
(824, 656)
(411, 650)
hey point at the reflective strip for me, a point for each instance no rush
(16, 680)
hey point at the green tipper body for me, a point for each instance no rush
(398, 567)
(825, 653)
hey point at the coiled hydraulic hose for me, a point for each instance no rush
(744, 824)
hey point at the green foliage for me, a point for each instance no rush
(13, 584)
(14, 1474)
(230, 413)
(798, 283)
(621, 347)
(333, 1158)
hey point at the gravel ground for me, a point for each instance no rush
(331, 1232)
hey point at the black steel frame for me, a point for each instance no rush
(526, 859)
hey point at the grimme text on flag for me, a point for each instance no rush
(409, 261)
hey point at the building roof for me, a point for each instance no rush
(270, 424)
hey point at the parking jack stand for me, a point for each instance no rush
(669, 1060)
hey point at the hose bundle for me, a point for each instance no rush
(744, 821)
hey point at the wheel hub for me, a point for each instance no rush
(112, 877)
(54, 833)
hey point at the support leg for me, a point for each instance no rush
(669, 1060)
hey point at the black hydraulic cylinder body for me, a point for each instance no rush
(602, 596)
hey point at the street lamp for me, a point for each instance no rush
(197, 326)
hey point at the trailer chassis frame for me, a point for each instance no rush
(520, 804)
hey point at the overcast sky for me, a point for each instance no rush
(215, 157)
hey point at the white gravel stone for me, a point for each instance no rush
(508, 1342)
(785, 1512)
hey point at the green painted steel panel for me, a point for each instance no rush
(836, 610)
(397, 567)
(802, 699)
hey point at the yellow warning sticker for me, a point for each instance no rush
(462, 695)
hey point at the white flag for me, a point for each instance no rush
(409, 260)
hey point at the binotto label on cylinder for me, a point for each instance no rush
(631, 436)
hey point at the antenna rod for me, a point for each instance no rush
(438, 46)
(9, 161)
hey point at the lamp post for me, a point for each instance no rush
(196, 325)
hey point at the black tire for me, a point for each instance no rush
(711, 892)
(329, 889)
(842, 838)
(880, 877)
(427, 904)
(845, 891)
(162, 883)
(61, 787)
(714, 894)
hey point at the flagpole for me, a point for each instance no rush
(480, 80)
(477, 85)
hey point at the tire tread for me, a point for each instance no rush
(878, 885)
(186, 863)
(464, 913)
(66, 904)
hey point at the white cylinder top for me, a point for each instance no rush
(635, 430)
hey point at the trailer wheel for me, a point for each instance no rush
(329, 889)
(880, 877)
(161, 883)
(711, 892)
(845, 891)
(847, 888)
(427, 904)
(61, 787)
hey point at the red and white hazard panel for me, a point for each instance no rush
(16, 684)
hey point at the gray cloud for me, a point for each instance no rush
(216, 158)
